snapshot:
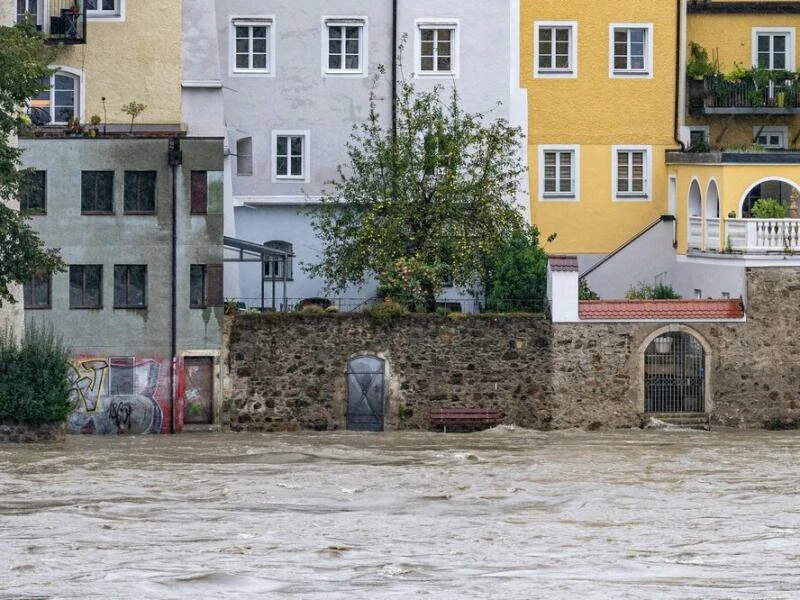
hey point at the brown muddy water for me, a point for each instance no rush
(505, 513)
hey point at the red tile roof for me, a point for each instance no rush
(561, 262)
(661, 310)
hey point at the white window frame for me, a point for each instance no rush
(572, 71)
(704, 129)
(118, 14)
(455, 47)
(267, 21)
(782, 132)
(573, 196)
(80, 96)
(305, 157)
(789, 32)
(647, 172)
(338, 21)
(647, 72)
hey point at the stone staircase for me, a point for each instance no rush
(684, 420)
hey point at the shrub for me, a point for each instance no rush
(768, 208)
(34, 377)
(387, 309)
(643, 291)
(585, 292)
(518, 275)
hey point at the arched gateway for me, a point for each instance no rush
(674, 374)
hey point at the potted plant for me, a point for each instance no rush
(73, 127)
(75, 8)
(94, 121)
(663, 344)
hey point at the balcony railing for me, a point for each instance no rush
(715, 95)
(62, 22)
(747, 235)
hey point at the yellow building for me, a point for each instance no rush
(117, 50)
(742, 117)
(601, 80)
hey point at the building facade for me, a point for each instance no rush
(134, 201)
(297, 78)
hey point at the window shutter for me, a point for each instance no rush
(214, 285)
(199, 192)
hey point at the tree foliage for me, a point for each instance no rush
(440, 195)
(23, 65)
(518, 274)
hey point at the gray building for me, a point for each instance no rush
(137, 211)
(297, 78)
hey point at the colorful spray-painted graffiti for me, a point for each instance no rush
(120, 395)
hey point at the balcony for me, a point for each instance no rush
(62, 21)
(747, 236)
(719, 96)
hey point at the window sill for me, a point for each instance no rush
(97, 213)
(557, 74)
(139, 213)
(632, 198)
(559, 198)
(436, 74)
(631, 74)
(86, 307)
(131, 307)
(48, 307)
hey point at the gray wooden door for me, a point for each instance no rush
(365, 394)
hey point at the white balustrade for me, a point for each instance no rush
(695, 232)
(712, 234)
(762, 235)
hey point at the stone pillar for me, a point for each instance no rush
(562, 288)
(794, 206)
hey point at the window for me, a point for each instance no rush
(773, 48)
(205, 285)
(346, 46)
(206, 192)
(130, 286)
(437, 49)
(555, 48)
(631, 172)
(28, 10)
(773, 138)
(85, 286)
(274, 263)
(252, 46)
(121, 375)
(97, 192)
(698, 137)
(103, 8)
(36, 292)
(58, 102)
(631, 50)
(33, 196)
(244, 156)
(291, 154)
(140, 192)
(558, 169)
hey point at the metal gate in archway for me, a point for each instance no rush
(365, 394)
(674, 374)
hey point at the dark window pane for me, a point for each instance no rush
(36, 292)
(197, 285)
(130, 284)
(97, 192)
(85, 286)
(140, 192)
(199, 192)
(33, 199)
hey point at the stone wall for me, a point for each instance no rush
(288, 371)
(19, 432)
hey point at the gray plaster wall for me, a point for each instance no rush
(299, 96)
(127, 239)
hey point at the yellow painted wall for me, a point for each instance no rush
(733, 182)
(136, 59)
(728, 39)
(596, 112)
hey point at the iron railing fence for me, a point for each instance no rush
(465, 305)
(674, 367)
(717, 92)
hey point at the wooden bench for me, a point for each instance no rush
(465, 416)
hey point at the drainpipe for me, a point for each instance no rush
(394, 69)
(174, 160)
(680, 77)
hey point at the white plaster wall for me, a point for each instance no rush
(649, 259)
(298, 97)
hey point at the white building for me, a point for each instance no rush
(297, 76)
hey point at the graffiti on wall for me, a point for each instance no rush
(119, 395)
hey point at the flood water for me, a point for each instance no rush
(505, 513)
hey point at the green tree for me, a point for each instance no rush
(440, 194)
(518, 274)
(23, 65)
